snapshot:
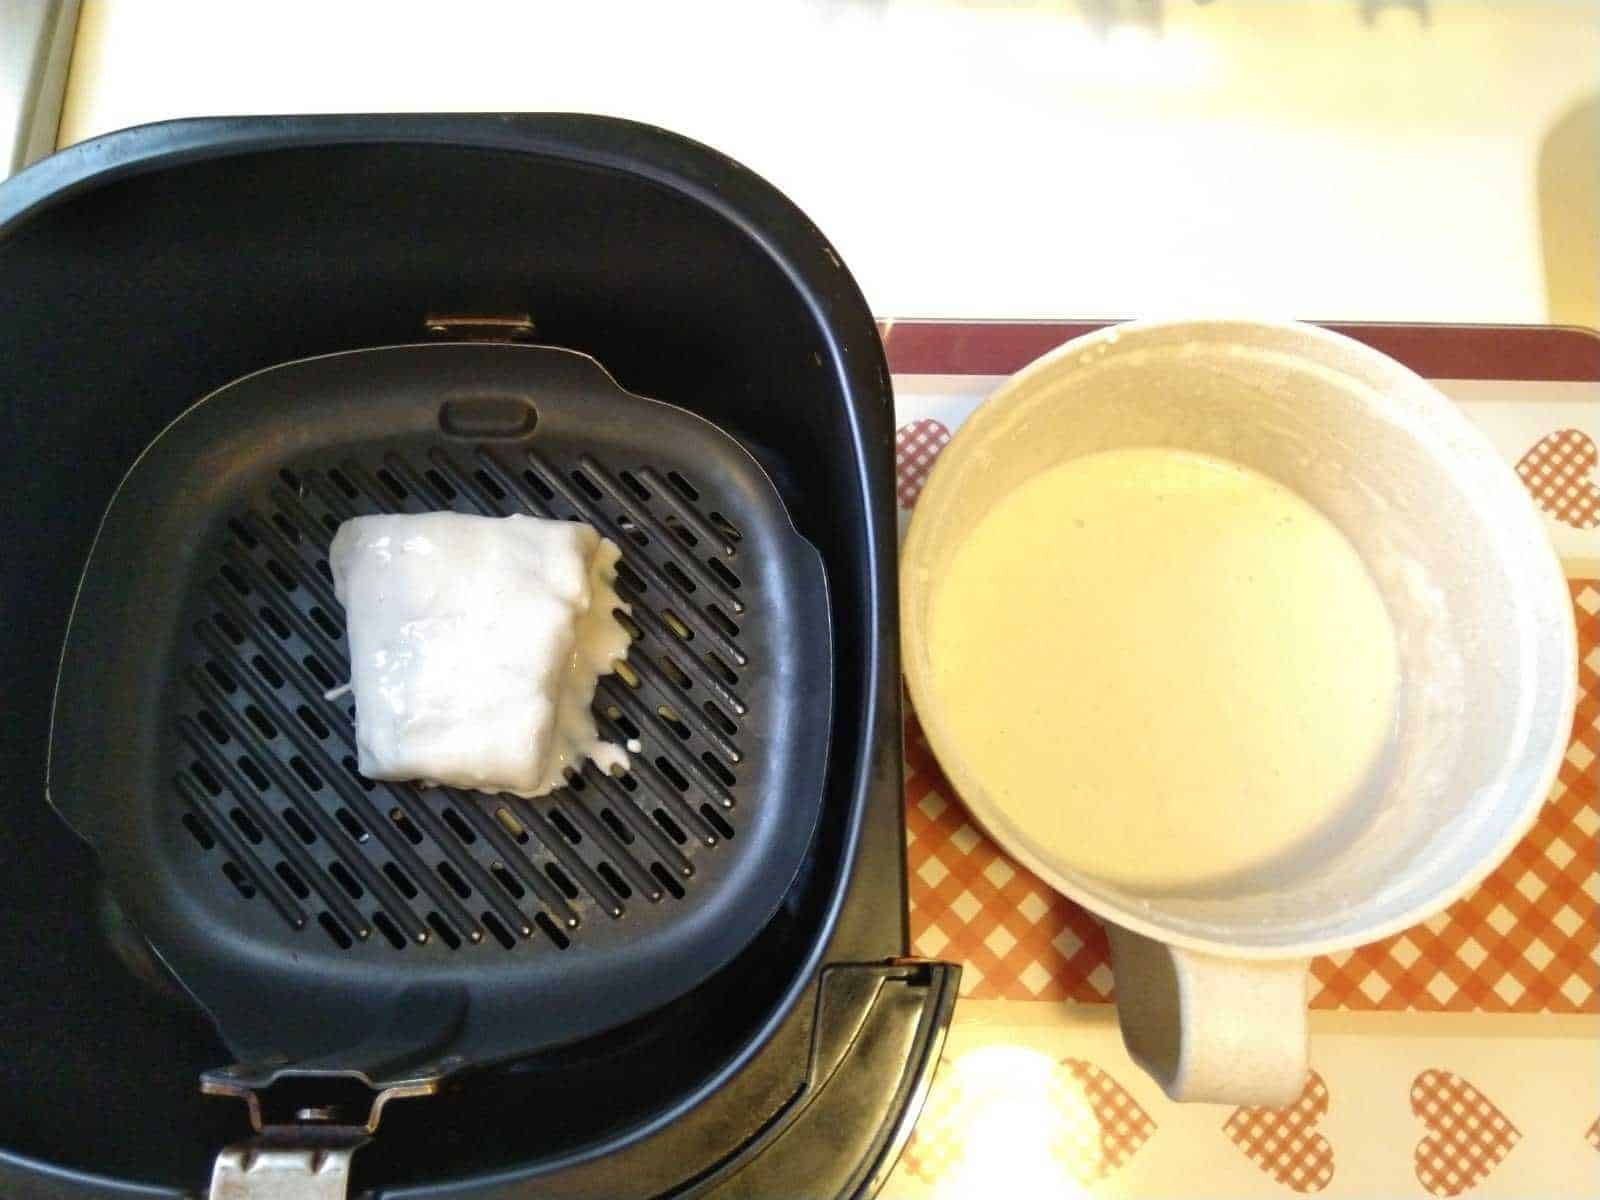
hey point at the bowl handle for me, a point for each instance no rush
(1207, 1028)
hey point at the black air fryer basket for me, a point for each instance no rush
(221, 338)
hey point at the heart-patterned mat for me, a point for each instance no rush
(1524, 941)
(916, 446)
(1560, 472)
(1120, 1127)
(1284, 1142)
(1467, 1135)
(986, 1105)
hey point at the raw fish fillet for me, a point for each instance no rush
(475, 647)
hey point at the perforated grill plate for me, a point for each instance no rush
(268, 768)
(196, 749)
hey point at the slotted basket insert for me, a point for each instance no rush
(197, 749)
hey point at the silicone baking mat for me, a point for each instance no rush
(1524, 942)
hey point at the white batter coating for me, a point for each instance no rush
(475, 646)
(1169, 670)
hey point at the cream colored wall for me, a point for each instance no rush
(997, 160)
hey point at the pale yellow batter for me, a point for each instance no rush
(1164, 667)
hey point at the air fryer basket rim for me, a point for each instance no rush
(708, 180)
(679, 164)
(342, 408)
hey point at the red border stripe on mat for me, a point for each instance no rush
(1527, 352)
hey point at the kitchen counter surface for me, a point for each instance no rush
(1338, 159)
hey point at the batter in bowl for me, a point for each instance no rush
(1167, 669)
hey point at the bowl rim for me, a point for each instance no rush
(1376, 368)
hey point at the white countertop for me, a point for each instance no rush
(1003, 160)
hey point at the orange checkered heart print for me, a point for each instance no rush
(1121, 1126)
(1467, 1135)
(985, 1106)
(916, 446)
(1560, 472)
(1284, 1142)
